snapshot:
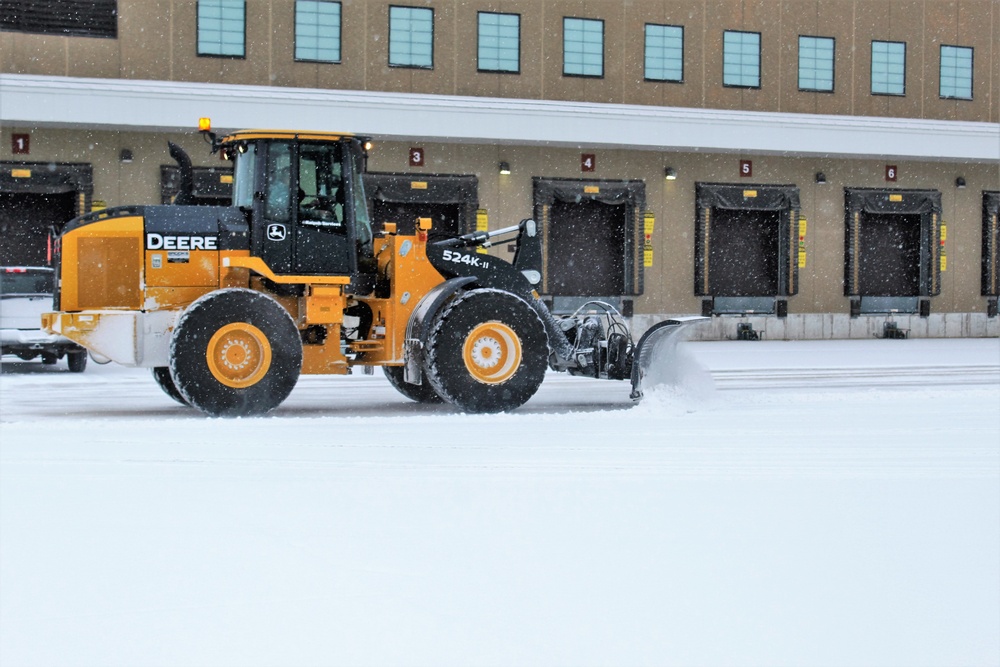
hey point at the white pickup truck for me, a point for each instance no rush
(25, 293)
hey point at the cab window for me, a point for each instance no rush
(321, 186)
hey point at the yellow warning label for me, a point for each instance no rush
(895, 197)
(802, 227)
(648, 222)
(647, 256)
(482, 225)
(944, 233)
(802, 259)
(749, 193)
(591, 189)
(944, 263)
(20, 173)
(418, 185)
(226, 178)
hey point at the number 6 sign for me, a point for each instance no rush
(890, 172)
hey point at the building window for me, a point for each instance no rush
(70, 18)
(816, 64)
(956, 72)
(222, 28)
(499, 42)
(411, 37)
(888, 68)
(664, 52)
(741, 59)
(583, 47)
(317, 30)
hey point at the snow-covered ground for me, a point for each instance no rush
(790, 503)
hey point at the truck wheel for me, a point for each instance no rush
(161, 374)
(421, 393)
(235, 353)
(77, 361)
(487, 352)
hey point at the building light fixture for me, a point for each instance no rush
(126, 156)
(960, 183)
(820, 178)
(670, 174)
(505, 168)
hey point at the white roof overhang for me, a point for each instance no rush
(130, 105)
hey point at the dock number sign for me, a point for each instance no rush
(20, 144)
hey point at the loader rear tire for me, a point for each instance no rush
(421, 393)
(487, 352)
(235, 353)
(161, 374)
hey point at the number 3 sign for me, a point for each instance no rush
(416, 157)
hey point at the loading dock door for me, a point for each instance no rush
(590, 236)
(891, 249)
(589, 241)
(447, 218)
(746, 252)
(34, 198)
(890, 262)
(449, 200)
(991, 245)
(25, 220)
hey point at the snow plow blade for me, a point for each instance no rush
(655, 352)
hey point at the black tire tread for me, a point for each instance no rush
(443, 365)
(161, 374)
(421, 393)
(189, 368)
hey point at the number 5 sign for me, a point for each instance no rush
(746, 168)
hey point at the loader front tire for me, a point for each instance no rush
(235, 353)
(487, 352)
(161, 374)
(421, 393)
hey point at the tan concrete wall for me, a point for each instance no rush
(157, 40)
(669, 282)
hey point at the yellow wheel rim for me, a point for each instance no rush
(239, 355)
(492, 352)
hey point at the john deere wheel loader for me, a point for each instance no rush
(229, 305)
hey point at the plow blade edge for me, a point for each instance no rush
(655, 353)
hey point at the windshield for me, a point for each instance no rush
(20, 280)
(246, 160)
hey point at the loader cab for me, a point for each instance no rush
(306, 203)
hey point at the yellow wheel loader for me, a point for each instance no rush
(229, 305)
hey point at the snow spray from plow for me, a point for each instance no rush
(656, 360)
